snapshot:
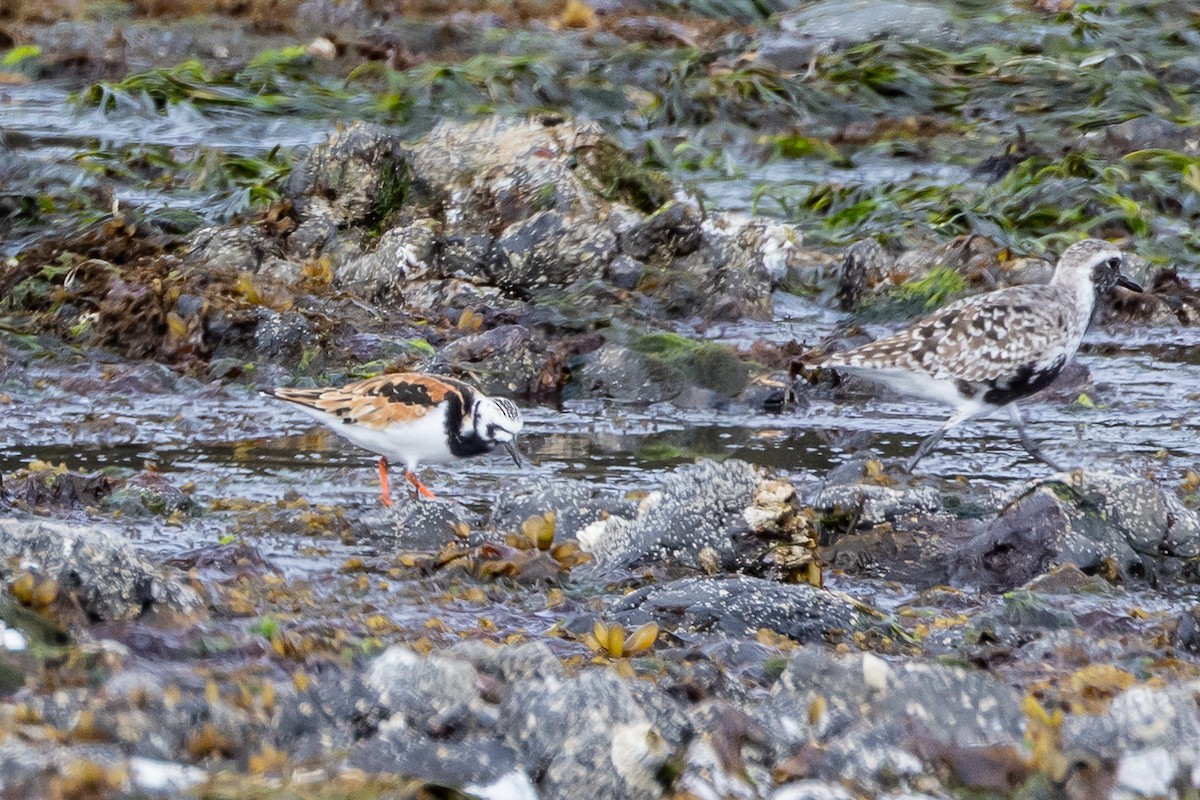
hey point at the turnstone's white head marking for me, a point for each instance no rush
(498, 420)
(412, 418)
(989, 351)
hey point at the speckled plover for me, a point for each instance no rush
(412, 418)
(989, 351)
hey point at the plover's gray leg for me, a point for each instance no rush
(1027, 441)
(935, 437)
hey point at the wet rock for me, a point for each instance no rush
(148, 493)
(657, 367)
(506, 361)
(334, 712)
(625, 272)
(739, 606)
(708, 516)
(282, 335)
(1021, 617)
(870, 504)
(874, 720)
(97, 567)
(239, 249)
(588, 731)
(862, 268)
(1117, 526)
(479, 767)
(422, 688)
(362, 173)
(1187, 630)
(576, 505)
(673, 230)
(497, 171)
(858, 21)
(787, 51)
(1148, 132)
(426, 525)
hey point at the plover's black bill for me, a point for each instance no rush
(1129, 284)
(511, 447)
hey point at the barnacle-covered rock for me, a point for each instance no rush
(588, 731)
(104, 573)
(712, 516)
(576, 504)
(1119, 526)
(740, 606)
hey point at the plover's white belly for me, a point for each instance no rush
(920, 384)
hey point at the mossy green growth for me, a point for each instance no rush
(619, 178)
(676, 359)
(935, 289)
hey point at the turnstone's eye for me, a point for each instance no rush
(1114, 262)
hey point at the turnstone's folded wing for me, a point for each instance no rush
(383, 401)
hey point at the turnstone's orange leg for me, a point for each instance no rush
(385, 488)
(416, 482)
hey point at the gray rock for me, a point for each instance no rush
(240, 249)
(739, 606)
(509, 663)
(108, 578)
(873, 504)
(616, 372)
(856, 21)
(576, 504)
(475, 761)
(625, 272)
(361, 173)
(551, 249)
(706, 515)
(1088, 519)
(1149, 132)
(506, 360)
(674, 230)
(425, 525)
(589, 731)
(811, 790)
(402, 254)
(1139, 719)
(787, 51)
(419, 687)
(862, 267)
(284, 334)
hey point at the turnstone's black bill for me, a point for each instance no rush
(412, 418)
(989, 351)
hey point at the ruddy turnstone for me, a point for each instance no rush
(412, 418)
(989, 351)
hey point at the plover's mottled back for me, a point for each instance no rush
(989, 351)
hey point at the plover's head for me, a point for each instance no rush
(1093, 261)
(497, 422)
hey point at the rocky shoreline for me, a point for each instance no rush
(702, 628)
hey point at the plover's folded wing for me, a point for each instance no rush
(978, 338)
